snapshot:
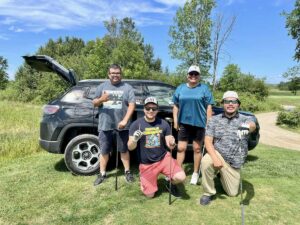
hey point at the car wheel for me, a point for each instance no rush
(82, 155)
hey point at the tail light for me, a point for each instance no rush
(50, 109)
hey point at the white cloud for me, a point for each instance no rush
(3, 37)
(39, 15)
(172, 2)
(15, 29)
(231, 2)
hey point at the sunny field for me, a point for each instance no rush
(36, 187)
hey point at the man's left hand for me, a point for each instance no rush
(243, 130)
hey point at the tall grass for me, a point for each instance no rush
(19, 129)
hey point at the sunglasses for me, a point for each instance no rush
(230, 101)
(194, 74)
(147, 108)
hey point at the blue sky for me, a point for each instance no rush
(259, 43)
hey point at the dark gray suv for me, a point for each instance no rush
(69, 123)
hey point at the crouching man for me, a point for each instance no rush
(149, 135)
(226, 142)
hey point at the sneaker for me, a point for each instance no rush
(100, 179)
(129, 177)
(194, 179)
(205, 200)
(174, 190)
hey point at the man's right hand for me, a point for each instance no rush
(105, 96)
(217, 163)
(137, 135)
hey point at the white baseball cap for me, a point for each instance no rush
(150, 100)
(230, 94)
(194, 68)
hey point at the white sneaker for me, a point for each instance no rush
(195, 178)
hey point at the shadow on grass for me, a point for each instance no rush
(251, 158)
(61, 166)
(248, 189)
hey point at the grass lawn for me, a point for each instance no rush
(38, 189)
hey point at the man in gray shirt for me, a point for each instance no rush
(116, 103)
(227, 147)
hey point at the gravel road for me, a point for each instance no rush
(270, 134)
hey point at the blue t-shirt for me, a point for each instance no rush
(192, 104)
(151, 146)
(114, 110)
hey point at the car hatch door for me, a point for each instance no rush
(45, 63)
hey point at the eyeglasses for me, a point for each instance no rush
(230, 101)
(194, 74)
(115, 73)
(151, 108)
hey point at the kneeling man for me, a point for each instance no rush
(149, 135)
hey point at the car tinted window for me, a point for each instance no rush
(75, 95)
(163, 93)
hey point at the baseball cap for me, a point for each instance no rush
(150, 100)
(194, 68)
(230, 94)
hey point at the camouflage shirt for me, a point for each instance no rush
(225, 139)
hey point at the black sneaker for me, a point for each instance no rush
(174, 190)
(100, 179)
(205, 200)
(129, 177)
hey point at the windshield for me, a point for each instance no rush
(163, 93)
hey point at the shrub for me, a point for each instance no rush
(291, 119)
(249, 102)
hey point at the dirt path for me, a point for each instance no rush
(270, 134)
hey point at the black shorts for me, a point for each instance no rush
(191, 133)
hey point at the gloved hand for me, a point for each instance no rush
(137, 135)
(243, 130)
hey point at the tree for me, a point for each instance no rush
(191, 34)
(32, 85)
(3, 73)
(234, 79)
(293, 75)
(124, 45)
(293, 25)
(220, 35)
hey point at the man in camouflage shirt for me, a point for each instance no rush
(225, 134)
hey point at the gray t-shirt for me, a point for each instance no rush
(225, 139)
(114, 110)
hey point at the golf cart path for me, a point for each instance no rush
(270, 134)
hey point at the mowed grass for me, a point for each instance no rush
(37, 188)
(284, 98)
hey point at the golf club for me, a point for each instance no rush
(202, 154)
(241, 184)
(170, 120)
(117, 158)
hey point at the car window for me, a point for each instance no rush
(163, 93)
(75, 95)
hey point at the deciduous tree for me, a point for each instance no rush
(293, 26)
(3, 73)
(191, 34)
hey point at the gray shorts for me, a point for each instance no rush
(109, 139)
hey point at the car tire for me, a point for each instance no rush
(82, 155)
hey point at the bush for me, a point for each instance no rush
(291, 119)
(249, 102)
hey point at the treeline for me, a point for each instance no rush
(122, 44)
